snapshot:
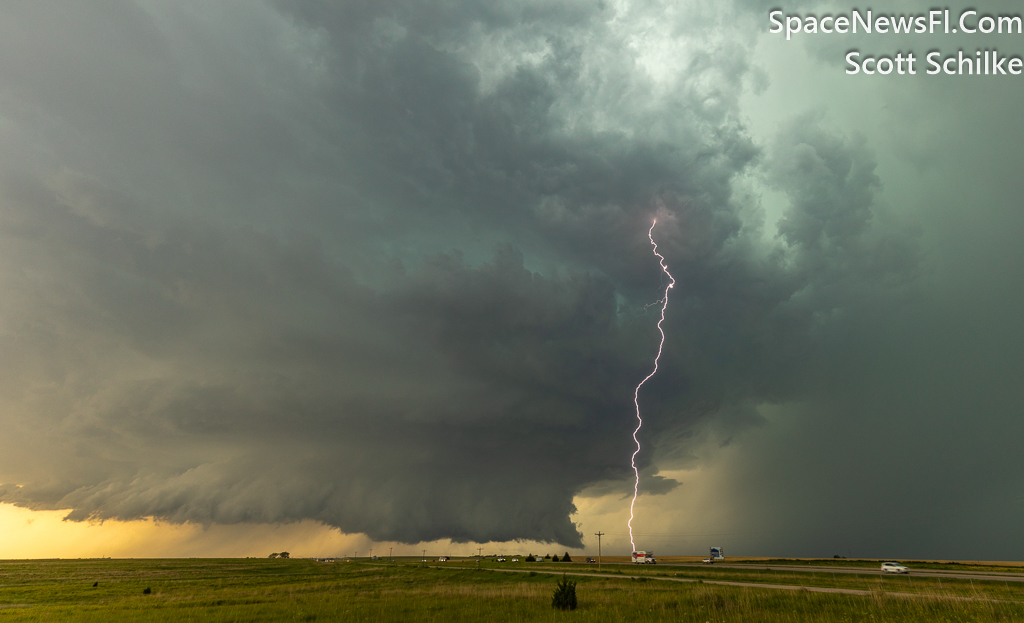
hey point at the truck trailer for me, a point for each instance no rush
(644, 558)
(717, 553)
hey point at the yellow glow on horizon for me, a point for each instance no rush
(44, 534)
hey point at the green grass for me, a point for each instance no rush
(301, 590)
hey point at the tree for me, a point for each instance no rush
(531, 558)
(565, 595)
(285, 555)
(554, 558)
(566, 558)
(274, 555)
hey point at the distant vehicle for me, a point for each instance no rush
(717, 553)
(442, 559)
(515, 560)
(894, 567)
(708, 561)
(501, 560)
(644, 558)
(591, 560)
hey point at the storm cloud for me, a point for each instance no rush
(384, 265)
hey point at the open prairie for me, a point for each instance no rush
(468, 590)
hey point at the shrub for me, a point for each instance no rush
(530, 558)
(147, 591)
(566, 558)
(554, 558)
(565, 595)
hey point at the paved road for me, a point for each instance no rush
(921, 573)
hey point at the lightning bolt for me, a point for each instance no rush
(636, 393)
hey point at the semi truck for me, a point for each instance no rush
(717, 553)
(644, 558)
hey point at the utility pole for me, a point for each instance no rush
(390, 557)
(479, 552)
(599, 535)
(424, 555)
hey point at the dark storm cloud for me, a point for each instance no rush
(490, 380)
(284, 390)
(314, 302)
(750, 322)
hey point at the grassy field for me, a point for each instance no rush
(901, 584)
(303, 590)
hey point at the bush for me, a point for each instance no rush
(565, 595)
(554, 558)
(530, 558)
(566, 558)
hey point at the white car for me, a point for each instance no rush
(515, 560)
(894, 567)
(501, 560)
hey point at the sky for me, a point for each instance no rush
(329, 277)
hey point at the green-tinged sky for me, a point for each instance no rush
(377, 272)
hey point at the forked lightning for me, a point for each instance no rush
(636, 393)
